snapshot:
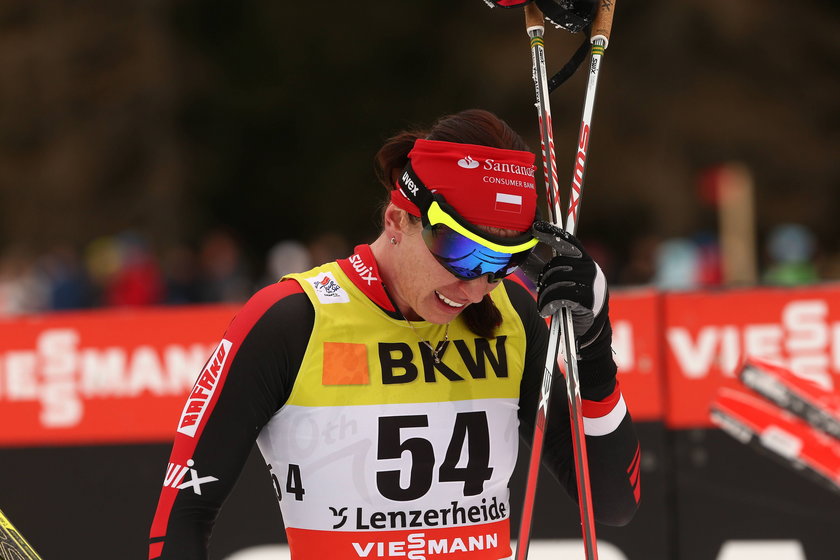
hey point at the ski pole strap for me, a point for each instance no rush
(574, 63)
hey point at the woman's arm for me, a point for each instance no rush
(245, 381)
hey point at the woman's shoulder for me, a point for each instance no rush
(284, 300)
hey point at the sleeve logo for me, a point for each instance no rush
(176, 477)
(203, 390)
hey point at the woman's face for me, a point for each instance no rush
(423, 289)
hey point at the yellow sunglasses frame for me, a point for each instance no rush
(437, 215)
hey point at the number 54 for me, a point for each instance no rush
(470, 428)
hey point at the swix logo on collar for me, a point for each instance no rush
(360, 268)
(203, 390)
(364, 270)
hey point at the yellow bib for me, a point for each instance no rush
(382, 452)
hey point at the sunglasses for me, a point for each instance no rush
(460, 247)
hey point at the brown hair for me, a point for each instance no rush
(473, 126)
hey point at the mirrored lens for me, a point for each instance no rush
(467, 258)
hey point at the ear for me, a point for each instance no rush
(396, 220)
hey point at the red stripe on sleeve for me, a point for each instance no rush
(155, 550)
(597, 409)
(633, 471)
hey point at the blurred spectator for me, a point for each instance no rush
(22, 289)
(224, 275)
(640, 266)
(284, 258)
(328, 247)
(181, 275)
(790, 249)
(829, 267)
(124, 271)
(688, 263)
(677, 264)
(102, 262)
(137, 280)
(602, 255)
(710, 266)
(69, 286)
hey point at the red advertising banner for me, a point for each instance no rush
(636, 319)
(707, 335)
(121, 376)
(111, 376)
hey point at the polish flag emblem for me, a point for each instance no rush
(509, 203)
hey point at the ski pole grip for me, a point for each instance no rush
(602, 25)
(533, 17)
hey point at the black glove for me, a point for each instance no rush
(507, 3)
(571, 15)
(571, 279)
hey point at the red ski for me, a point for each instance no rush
(786, 437)
(811, 402)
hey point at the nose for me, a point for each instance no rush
(475, 290)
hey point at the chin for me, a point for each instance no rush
(439, 320)
(441, 313)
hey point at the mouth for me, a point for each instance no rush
(449, 302)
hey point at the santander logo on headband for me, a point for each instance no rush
(491, 165)
(487, 186)
(468, 163)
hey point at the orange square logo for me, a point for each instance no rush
(345, 363)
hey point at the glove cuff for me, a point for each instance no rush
(597, 340)
(596, 367)
(597, 378)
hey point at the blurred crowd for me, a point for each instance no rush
(127, 270)
(789, 255)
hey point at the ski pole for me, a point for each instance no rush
(562, 321)
(13, 542)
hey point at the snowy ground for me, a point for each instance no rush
(573, 550)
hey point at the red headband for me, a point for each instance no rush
(487, 186)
